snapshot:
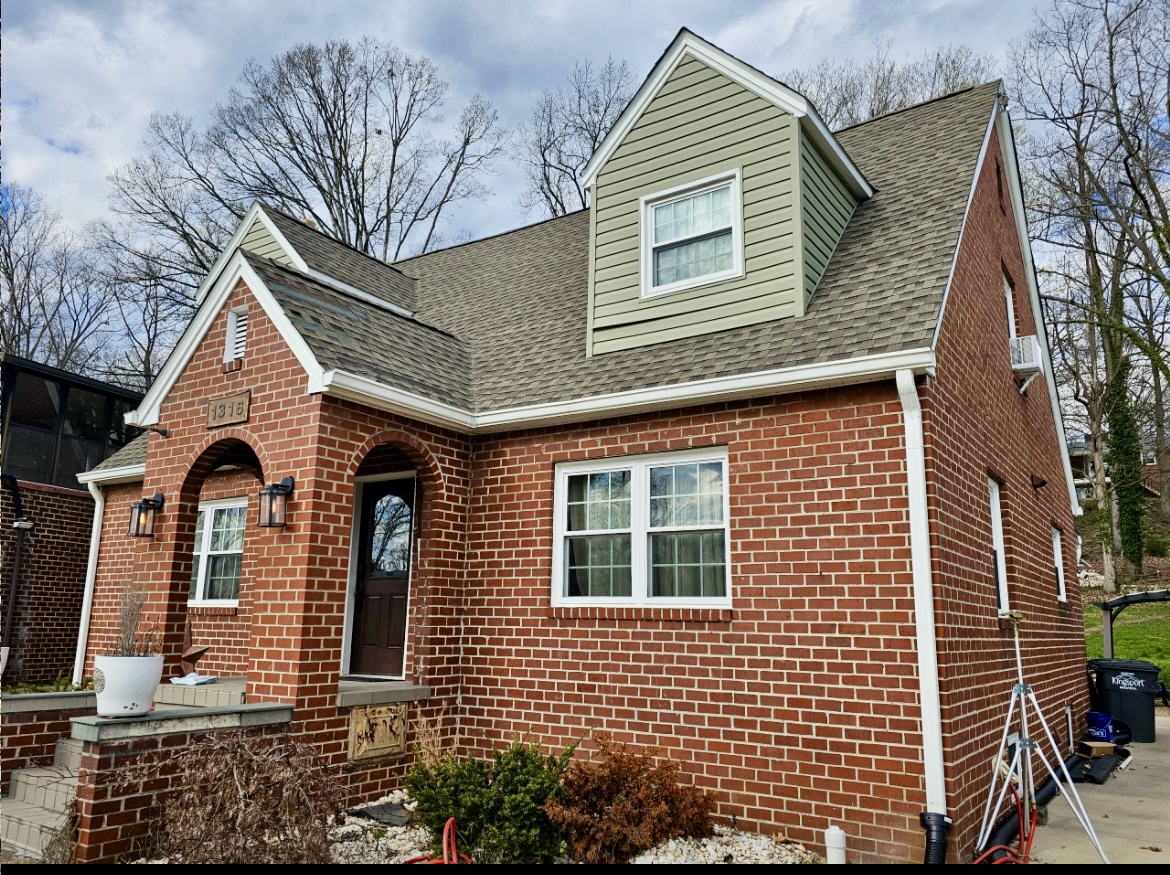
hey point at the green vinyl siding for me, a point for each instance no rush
(260, 241)
(826, 205)
(700, 124)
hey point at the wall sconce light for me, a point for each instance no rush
(142, 516)
(1038, 482)
(274, 504)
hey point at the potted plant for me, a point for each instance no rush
(126, 678)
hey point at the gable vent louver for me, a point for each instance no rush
(237, 334)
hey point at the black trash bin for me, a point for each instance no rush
(1126, 688)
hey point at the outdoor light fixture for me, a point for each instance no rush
(142, 516)
(274, 504)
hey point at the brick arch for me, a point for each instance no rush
(201, 461)
(426, 466)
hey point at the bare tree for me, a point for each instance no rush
(849, 92)
(52, 313)
(1093, 74)
(565, 128)
(350, 135)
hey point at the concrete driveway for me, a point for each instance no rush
(1130, 812)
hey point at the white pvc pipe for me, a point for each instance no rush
(835, 845)
(95, 540)
(928, 694)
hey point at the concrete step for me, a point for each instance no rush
(225, 694)
(51, 787)
(25, 827)
(67, 754)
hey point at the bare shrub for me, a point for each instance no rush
(249, 799)
(61, 846)
(132, 639)
(625, 801)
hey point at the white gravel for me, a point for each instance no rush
(360, 840)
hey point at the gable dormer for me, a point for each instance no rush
(717, 200)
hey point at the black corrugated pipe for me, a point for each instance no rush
(1010, 828)
(21, 525)
(937, 826)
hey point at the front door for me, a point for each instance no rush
(386, 523)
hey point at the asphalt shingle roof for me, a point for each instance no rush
(134, 453)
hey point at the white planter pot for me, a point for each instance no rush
(126, 685)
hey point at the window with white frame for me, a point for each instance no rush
(642, 530)
(1009, 300)
(692, 235)
(1058, 561)
(219, 551)
(237, 334)
(997, 551)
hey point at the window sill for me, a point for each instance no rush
(352, 693)
(213, 610)
(641, 612)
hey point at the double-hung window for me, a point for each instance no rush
(692, 235)
(1058, 562)
(219, 551)
(643, 530)
(998, 558)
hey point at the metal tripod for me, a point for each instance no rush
(1021, 768)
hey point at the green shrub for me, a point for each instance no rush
(625, 802)
(1157, 545)
(497, 805)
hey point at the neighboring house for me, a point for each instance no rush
(54, 425)
(1084, 470)
(742, 463)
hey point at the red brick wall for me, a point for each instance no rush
(977, 422)
(30, 737)
(115, 571)
(53, 563)
(799, 705)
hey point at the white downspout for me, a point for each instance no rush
(95, 540)
(928, 695)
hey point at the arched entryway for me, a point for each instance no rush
(387, 505)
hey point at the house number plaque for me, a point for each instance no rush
(225, 411)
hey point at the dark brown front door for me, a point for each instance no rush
(383, 578)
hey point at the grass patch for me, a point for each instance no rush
(1140, 632)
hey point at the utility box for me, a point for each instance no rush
(1125, 688)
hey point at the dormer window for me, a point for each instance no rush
(692, 235)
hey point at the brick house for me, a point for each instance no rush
(742, 462)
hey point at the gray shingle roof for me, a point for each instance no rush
(519, 299)
(345, 263)
(134, 453)
(350, 335)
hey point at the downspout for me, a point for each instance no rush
(934, 820)
(95, 540)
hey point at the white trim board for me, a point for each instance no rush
(687, 44)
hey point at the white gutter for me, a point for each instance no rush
(924, 627)
(95, 540)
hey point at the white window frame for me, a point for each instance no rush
(639, 467)
(1009, 299)
(203, 550)
(678, 192)
(236, 341)
(1058, 560)
(997, 547)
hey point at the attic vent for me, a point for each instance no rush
(237, 335)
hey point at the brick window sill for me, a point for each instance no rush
(641, 612)
(213, 610)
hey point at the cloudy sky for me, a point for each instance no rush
(80, 78)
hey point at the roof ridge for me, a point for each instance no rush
(919, 105)
(535, 224)
(268, 207)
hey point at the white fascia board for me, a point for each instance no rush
(1007, 146)
(687, 44)
(963, 227)
(237, 269)
(342, 384)
(114, 476)
(778, 381)
(254, 212)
